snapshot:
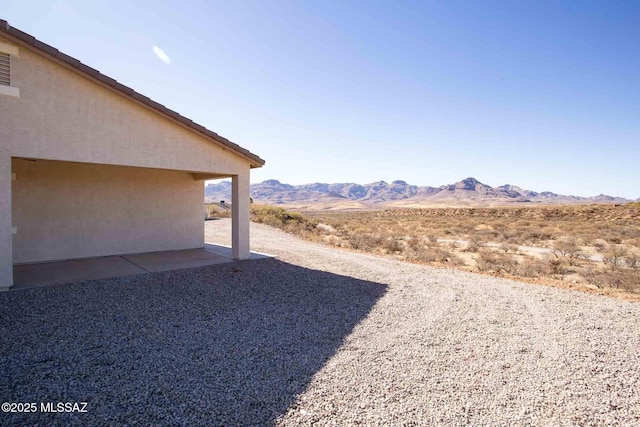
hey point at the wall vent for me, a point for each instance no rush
(5, 69)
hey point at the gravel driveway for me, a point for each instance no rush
(323, 337)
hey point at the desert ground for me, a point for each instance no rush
(594, 248)
(319, 336)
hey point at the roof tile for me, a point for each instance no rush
(45, 47)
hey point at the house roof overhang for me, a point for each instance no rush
(54, 54)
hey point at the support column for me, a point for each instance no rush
(6, 225)
(240, 216)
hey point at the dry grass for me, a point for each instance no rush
(593, 248)
(291, 222)
(212, 210)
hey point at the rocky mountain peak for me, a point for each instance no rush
(465, 192)
(271, 182)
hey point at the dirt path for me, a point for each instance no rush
(445, 347)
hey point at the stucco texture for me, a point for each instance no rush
(99, 172)
(62, 115)
(68, 210)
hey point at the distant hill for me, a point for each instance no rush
(468, 192)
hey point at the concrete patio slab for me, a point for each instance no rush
(174, 260)
(225, 251)
(53, 273)
(60, 272)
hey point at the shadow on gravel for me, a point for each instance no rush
(232, 344)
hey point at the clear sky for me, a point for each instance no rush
(544, 95)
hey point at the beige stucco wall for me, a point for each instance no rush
(240, 214)
(6, 247)
(62, 115)
(66, 210)
(111, 175)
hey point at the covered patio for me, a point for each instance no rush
(92, 170)
(26, 276)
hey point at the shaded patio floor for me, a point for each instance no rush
(54, 273)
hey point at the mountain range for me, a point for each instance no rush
(467, 192)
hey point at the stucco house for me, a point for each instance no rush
(89, 167)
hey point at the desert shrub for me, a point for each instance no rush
(489, 235)
(613, 238)
(431, 240)
(595, 277)
(528, 237)
(568, 248)
(628, 280)
(472, 247)
(332, 240)
(632, 260)
(364, 241)
(475, 242)
(422, 254)
(599, 244)
(418, 255)
(292, 222)
(491, 261)
(341, 230)
(356, 241)
(433, 255)
(614, 257)
(487, 260)
(508, 264)
(533, 236)
(533, 267)
(391, 245)
(513, 235)
(414, 243)
(214, 211)
(455, 261)
(500, 227)
(554, 265)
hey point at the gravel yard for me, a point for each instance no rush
(319, 336)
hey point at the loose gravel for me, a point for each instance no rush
(319, 336)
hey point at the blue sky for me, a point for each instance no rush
(544, 95)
